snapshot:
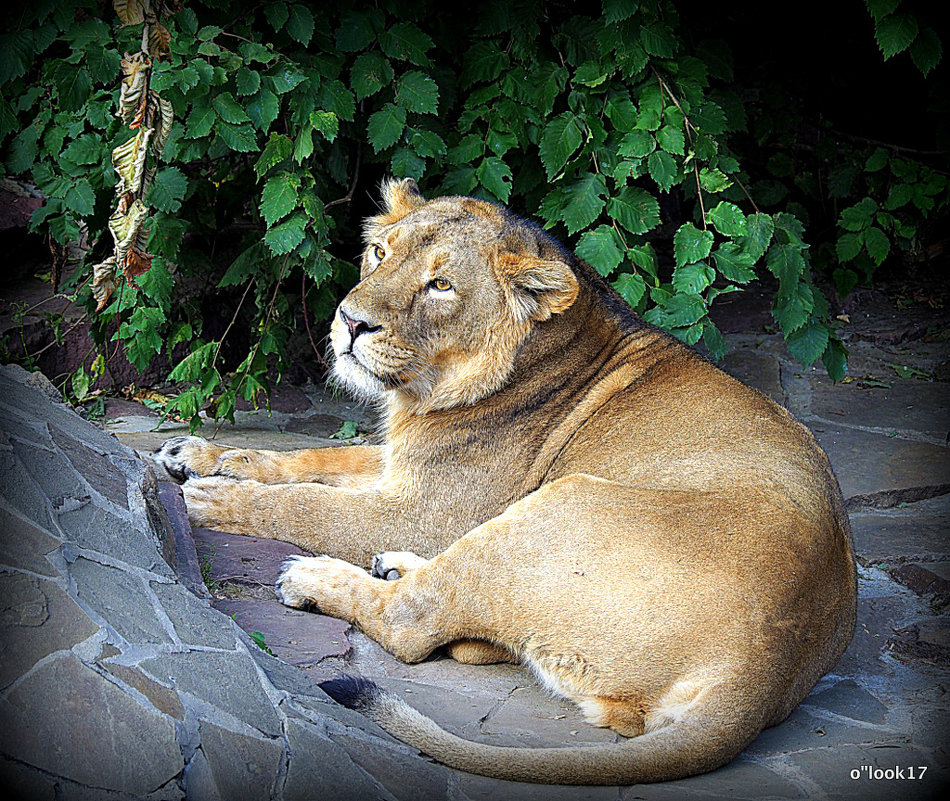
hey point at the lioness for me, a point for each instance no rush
(659, 543)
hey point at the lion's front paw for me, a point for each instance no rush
(188, 457)
(220, 503)
(320, 583)
(391, 565)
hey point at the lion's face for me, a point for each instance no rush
(449, 289)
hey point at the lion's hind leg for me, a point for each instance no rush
(392, 565)
(478, 652)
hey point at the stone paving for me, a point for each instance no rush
(143, 660)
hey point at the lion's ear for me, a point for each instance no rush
(400, 198)
(538, 287)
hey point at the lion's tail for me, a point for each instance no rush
(714, 732)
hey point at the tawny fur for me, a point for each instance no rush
(656, 541)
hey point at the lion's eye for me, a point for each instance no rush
(378, 253)
(440, 284)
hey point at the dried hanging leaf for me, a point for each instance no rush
(128, 160)
(136, 262)
(103, 282)
(125, 228)
(159, 41)
(135, 70)
(130, 12)
(165, 116)
(60, 257)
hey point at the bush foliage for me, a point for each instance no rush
(602, 123)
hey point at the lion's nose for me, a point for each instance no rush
(357, 327)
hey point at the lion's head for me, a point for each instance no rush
(449, 290)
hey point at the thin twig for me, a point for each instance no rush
(687, 125)
(356, 174)
(306, 321)
(66, 333)
(230, 324)
(257, 345)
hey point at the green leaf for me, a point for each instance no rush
(263, 109)
(618, 10)
(635, 209)
(690, 244)
(713, 340)
(926, 50)
(693, 278)
(713, 180)
(16, 55)
(229, 109)
(370, 73)
(84, 150)
(561, 138)
(848, 246)
(631, 288)
(496, 177)
(734, 263)
(651, 108)
(208, 32)
(104, 63)
(585, 201)
(858, 216)
(284, 77)
(248, 82)
(877, 160)
(662, 169)
(168, 189)
(808, 343)
(881, 8)
(679, 311)
(601, 249)
(483, 62)
(877, 244)
(637, 144)
(760, 228)
(191, 367)
(277, 15)
(284, 237)
(334, 96)
(899, 195)
(786, 263)
(835, 359)
(239, 138)
(279, 197)
(406, 164)
(200, 122)
(80, 198)
(428, 144)
(358, 30)
(894, 33)
(74, 86)
(277, 149)
(793, 308)
(386, 126)
(728, 219)
(590, 74)
(405, 42)
(658, 40)
(245, 265)
(347, 431)
(300, 24)
(671, 140)
(418, 92)
(326, 123)
(622, 114)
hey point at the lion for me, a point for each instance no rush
(567, 487)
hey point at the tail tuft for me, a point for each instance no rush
(352, 692)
